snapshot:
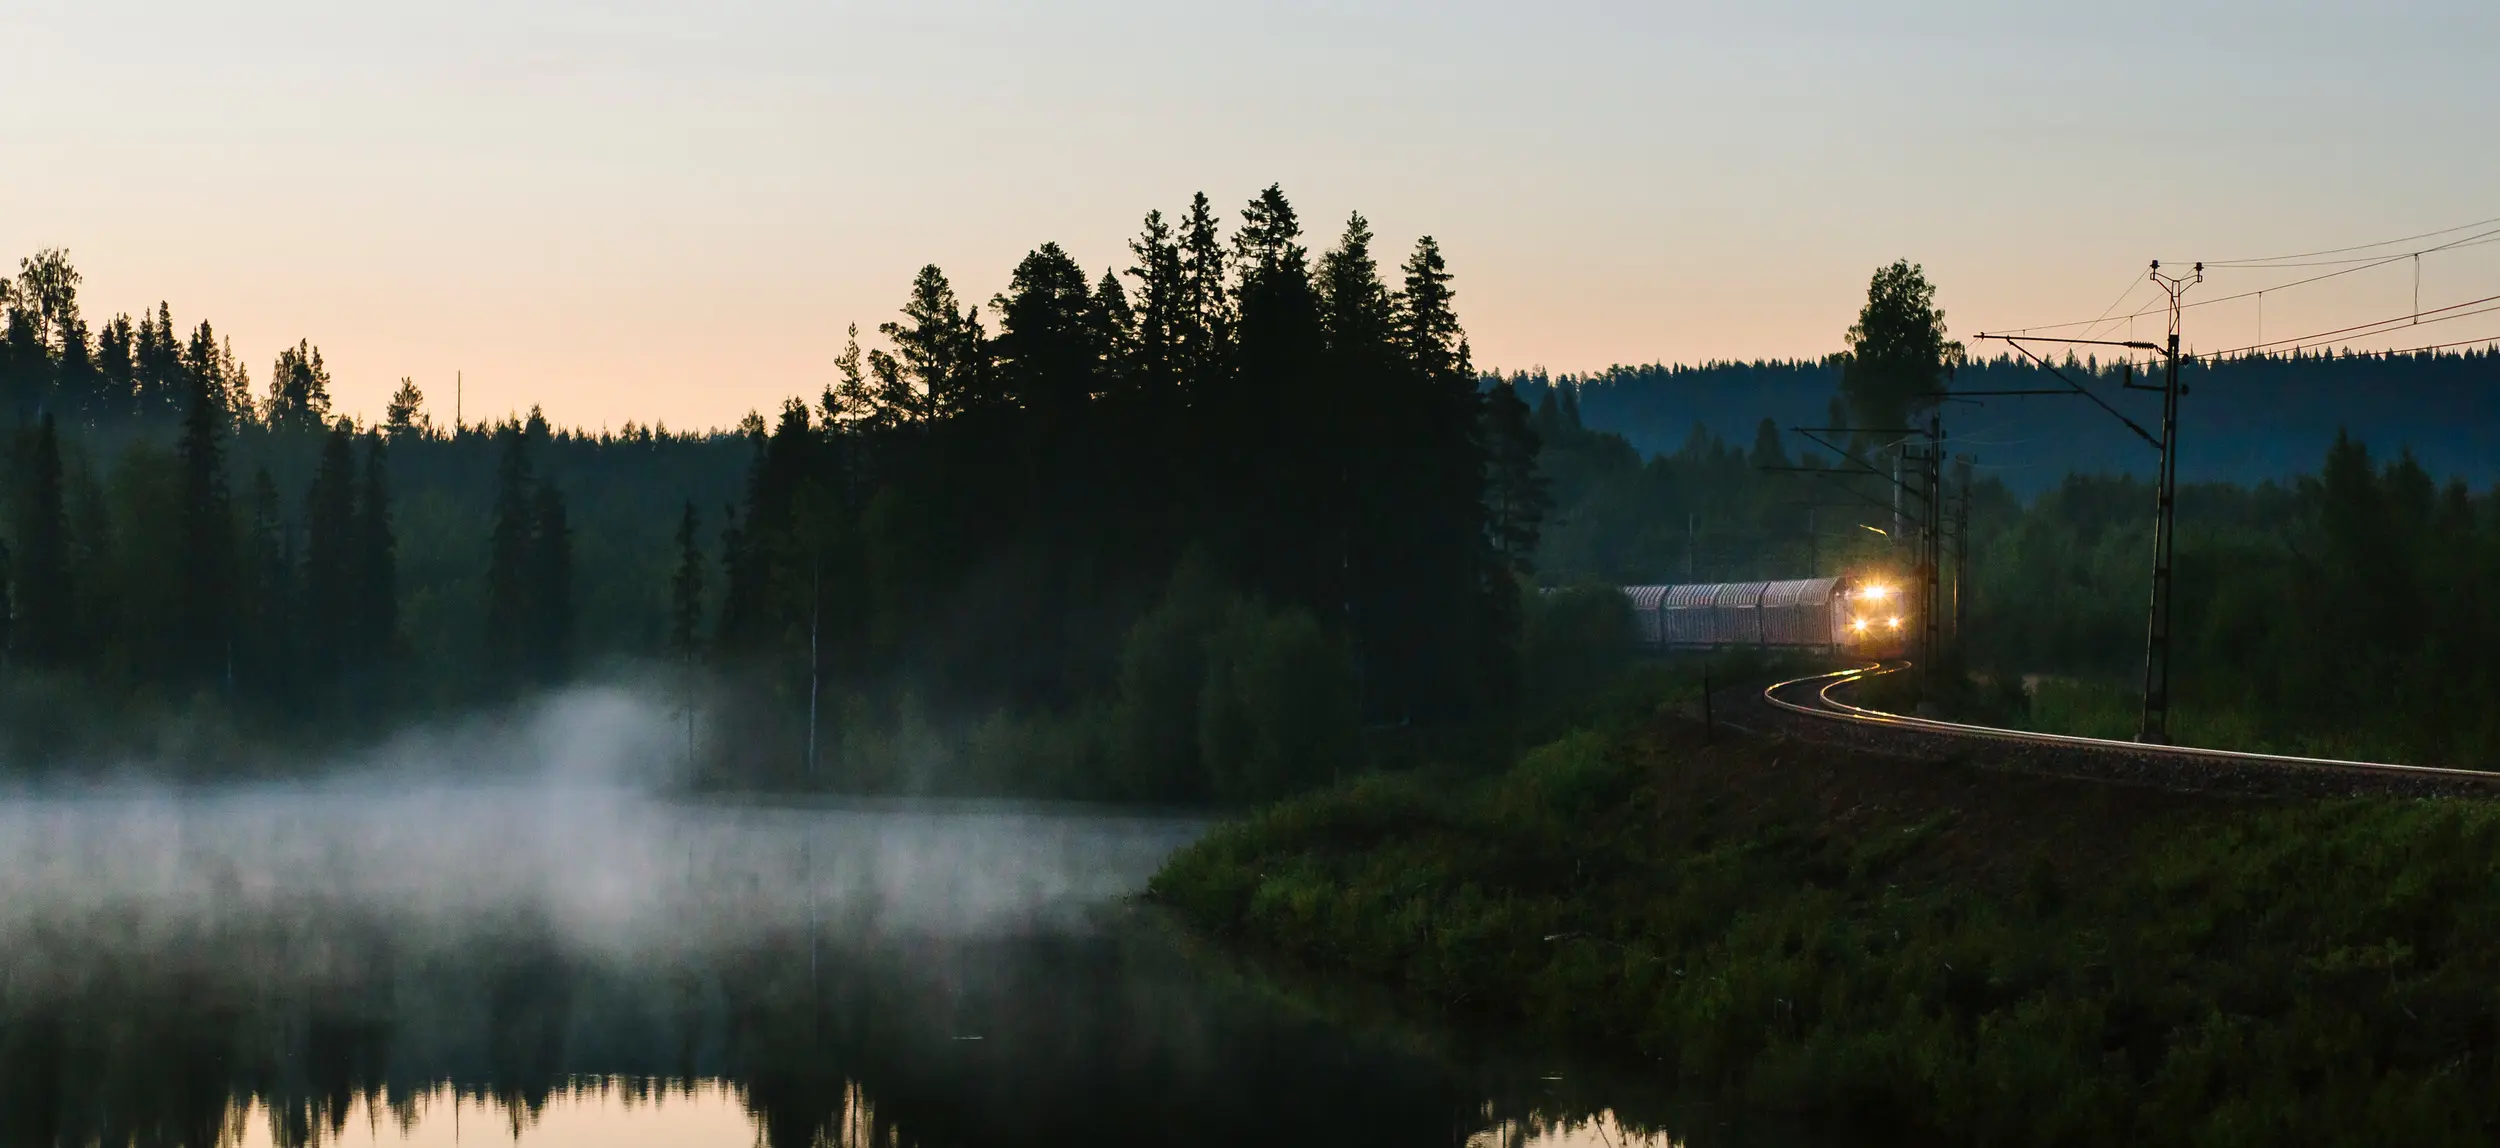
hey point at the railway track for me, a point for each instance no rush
(1807, 708)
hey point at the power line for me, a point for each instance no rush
(2492, 341)
(2135, 282)
(2212, 263)
(2475, 240)
(2406, 320)
(2457, 246)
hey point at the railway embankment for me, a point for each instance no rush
(1946, 949)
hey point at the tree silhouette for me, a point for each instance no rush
(204, 644)
(46, 598)
(1898, 352)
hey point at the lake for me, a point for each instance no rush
(582, 964)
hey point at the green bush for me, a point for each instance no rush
(2215, 973)
(1573, 643)
(1278, 712)
(1162, 675)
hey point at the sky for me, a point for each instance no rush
(646, 211)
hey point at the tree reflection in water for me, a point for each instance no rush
(220, 985)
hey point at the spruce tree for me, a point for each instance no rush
(685, 589)
(1113, 326)
(1479, 596)
(377, 558)
(206, 612)
(1515, 491)
(268, 637)
(203, 368)
(46, 600)
(510, 620)
(158, 354)
(1261, 419)
(25, 363)
(551, 585)
(330, 615)
(116, 369)
(1156, 362)
(80, 388)
(1204, 318)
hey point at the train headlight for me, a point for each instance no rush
(1876, 591)
(1857, 625)
(1894, 621)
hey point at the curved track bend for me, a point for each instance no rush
(1806, 707)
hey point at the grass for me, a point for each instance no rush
(1943, 950)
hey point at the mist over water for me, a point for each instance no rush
(566, 817)
(527, 929)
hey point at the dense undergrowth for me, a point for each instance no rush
(1939, 949)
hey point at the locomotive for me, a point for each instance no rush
(1833, 614)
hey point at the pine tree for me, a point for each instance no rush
(938, 347)
(46, 600)
(405, 417)
(1048, 356)
(299, 390)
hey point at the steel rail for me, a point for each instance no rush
(1833, 709)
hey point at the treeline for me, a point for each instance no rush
(1187, 528)
(193, 564)
(1182, 529)
(2249, 418)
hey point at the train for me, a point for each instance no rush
(1834, 614)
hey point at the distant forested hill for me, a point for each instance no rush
(2243, 421)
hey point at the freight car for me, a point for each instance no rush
(1812, 613)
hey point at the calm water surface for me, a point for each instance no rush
(574, 965)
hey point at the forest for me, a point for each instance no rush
(1223, 523)
(1201, 526)
(2339, 611)
(2252, 417)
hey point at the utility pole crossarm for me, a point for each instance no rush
(2079, 389)
(2078, 342)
